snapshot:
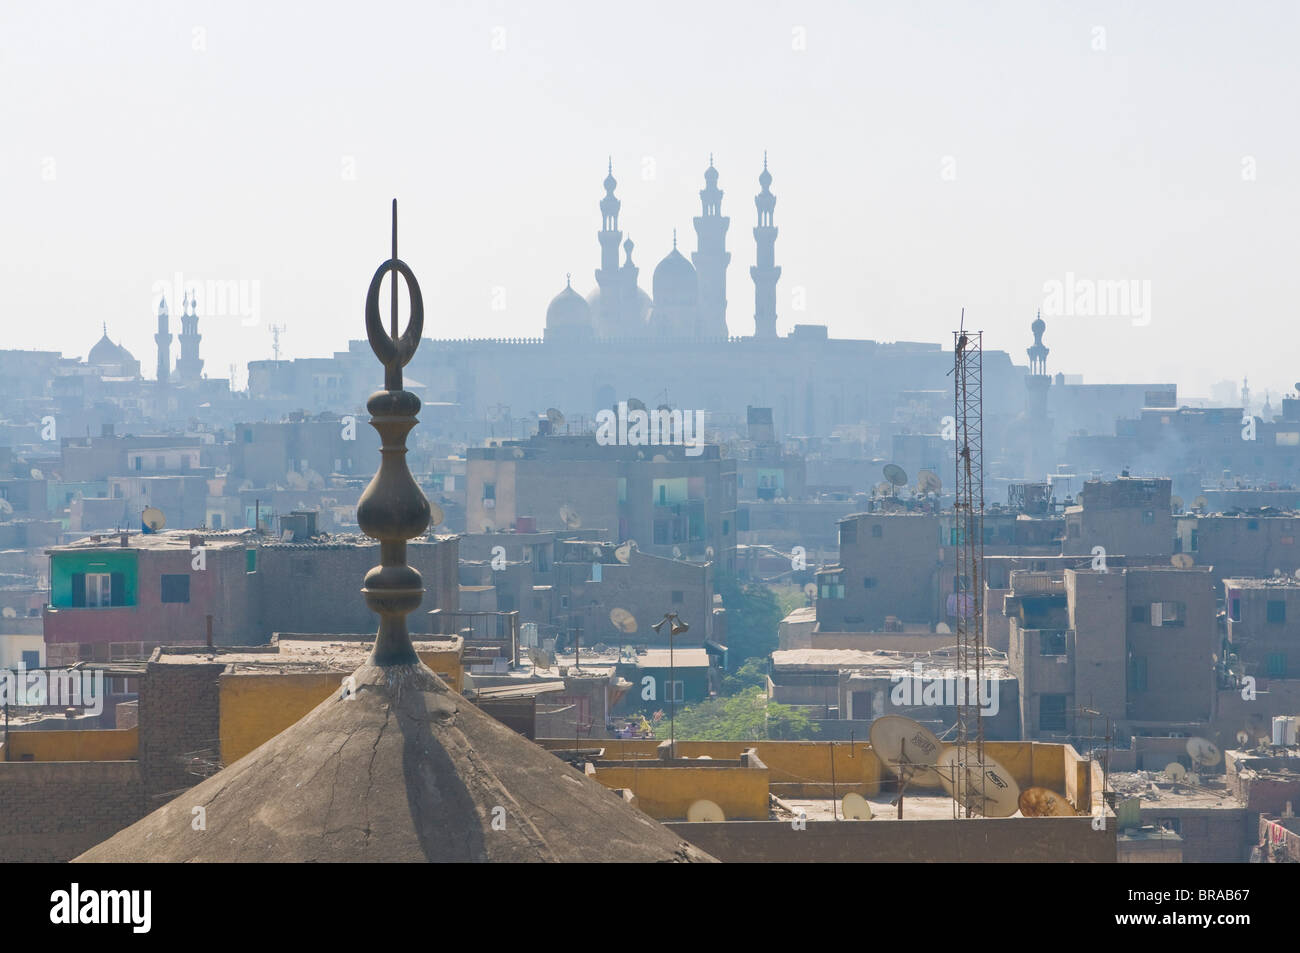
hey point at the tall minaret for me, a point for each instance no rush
(1040, 442)
(607, 276)
(765, 273)
(189, 367)
(712, 257)
(164, 341)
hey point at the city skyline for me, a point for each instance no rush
(890, 222)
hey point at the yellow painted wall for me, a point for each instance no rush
(808, 763)
(256, 708)
(79, 745)
(668, 792)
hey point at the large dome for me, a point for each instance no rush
(106, 352)
(568, 311)
(675, 284)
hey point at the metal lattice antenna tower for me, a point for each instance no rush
(968, 518)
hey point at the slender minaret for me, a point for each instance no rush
(164, 341)
(189, 367)
(607, 276)
(1039, 449)
(765, 273)
(711, 258)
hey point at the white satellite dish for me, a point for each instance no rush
(1243, 738)
(856, 807)
(990, 791)
(708, 552)
(703, 811)
(943, 628)
(1203, 752)
(907, 748)
(677, 552)
(435, 515)
(1175, 772)
(569, 517)
(623, 553)
(1182, 560)
(9, 612)
(659, 458)
(37, 474)
(623, 620)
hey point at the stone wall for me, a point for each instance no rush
(55, 810)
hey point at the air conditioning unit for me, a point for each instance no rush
(489, 504)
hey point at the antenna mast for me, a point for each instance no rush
(968, 517)
(276, 330)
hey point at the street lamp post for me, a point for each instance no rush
(677, 628)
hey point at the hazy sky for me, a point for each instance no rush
(925, 156)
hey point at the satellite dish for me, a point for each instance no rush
(1176, 503)
(1175, 772)
(518, 453)
(810, 590)
(634, 403)
(1203, 752)
(708, 552)
(555, 417)
(435, 515)
(1182, 560)
(624, 553)
(856, 807)
(929, 481)
(295, 480)
(677, 552)
(705, 812)
(895, 474)
(884, 489)
(943, 628)
(37, 474)
(541, 659)
(997, 796)
(1200, 503)
(1243, 738)
(6, 507)
(569, 517)
(153, 518)
(907, 748)
(9, 612)
(658, 458)
(623, 620)
(1044, 802)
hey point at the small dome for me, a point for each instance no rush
(568, 310)
(675, 282)
(1038, 327)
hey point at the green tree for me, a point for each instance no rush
(752, 674)
(745, 716)
(753, 617)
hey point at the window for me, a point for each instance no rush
(175, 587)
(1276, 611)
(678, 597)
(676, 691)
(1074, 530)
(848, 533)
(726, 527)
(1051, 712)
(304, 567)
(661, 532)
(1137, 673)
(1252, 524)
(489, 491)
(31, 659)
(1139, 615)
(1051, 642)
(1196, 540)
(1168, 613)
(1275, 664)
(564, 602)
(98, 590)
(1235, 609)
(1148, 517)
(832, 588)
(877, 531)
(250, 560)
(868, 583)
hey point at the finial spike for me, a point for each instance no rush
(393, 318)
(764, 160)
(568, 279)
(674, 239)
(611, 165)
